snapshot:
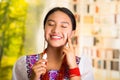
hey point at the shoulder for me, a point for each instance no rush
(23, 60)
(20, 68)
(85, 59)
(20, 61)
(85, 63)
(86, 68)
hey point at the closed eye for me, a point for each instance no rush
(64, 26)
(49, 24)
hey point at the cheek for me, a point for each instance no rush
(46, 33)
(45, 36)
(68, 34)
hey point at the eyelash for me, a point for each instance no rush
(51, 24)
(54, 24)
(64, 26)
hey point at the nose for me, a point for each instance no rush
(55, 29)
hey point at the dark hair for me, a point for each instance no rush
(66, 11)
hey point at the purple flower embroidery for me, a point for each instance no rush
(30, 61)
(53, 75)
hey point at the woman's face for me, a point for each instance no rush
(58, 28)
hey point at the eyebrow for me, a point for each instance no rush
(50, 20)
(64, 22)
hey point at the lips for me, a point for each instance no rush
(55, 37)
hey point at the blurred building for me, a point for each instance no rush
(98, 25)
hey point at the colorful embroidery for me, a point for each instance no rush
(77, 59)
(30, 60)
(52, 74)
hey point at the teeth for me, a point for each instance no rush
(56, 37)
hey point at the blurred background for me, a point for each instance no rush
(98, 28)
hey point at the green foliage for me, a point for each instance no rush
(17, 18)
(12, 26)
(12, 34)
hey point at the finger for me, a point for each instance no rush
(40, 71)
(41, 61)
(66, 51)
(38, 66)
(69, 43)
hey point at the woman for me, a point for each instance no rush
(61, 62)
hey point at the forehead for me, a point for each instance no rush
(59, 15)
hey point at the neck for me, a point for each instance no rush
(54, 53)
(55, 58)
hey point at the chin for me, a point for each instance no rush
(58, 46)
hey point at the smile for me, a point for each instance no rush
(56, 37)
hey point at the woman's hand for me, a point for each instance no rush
(38, 69)
(69, 52)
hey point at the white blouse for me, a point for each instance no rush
(20, 69)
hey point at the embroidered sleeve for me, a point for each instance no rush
(19, 69)
(30, 61)
(77, 59)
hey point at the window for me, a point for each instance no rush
(104, 64)
(115, 65)
(116, 54)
